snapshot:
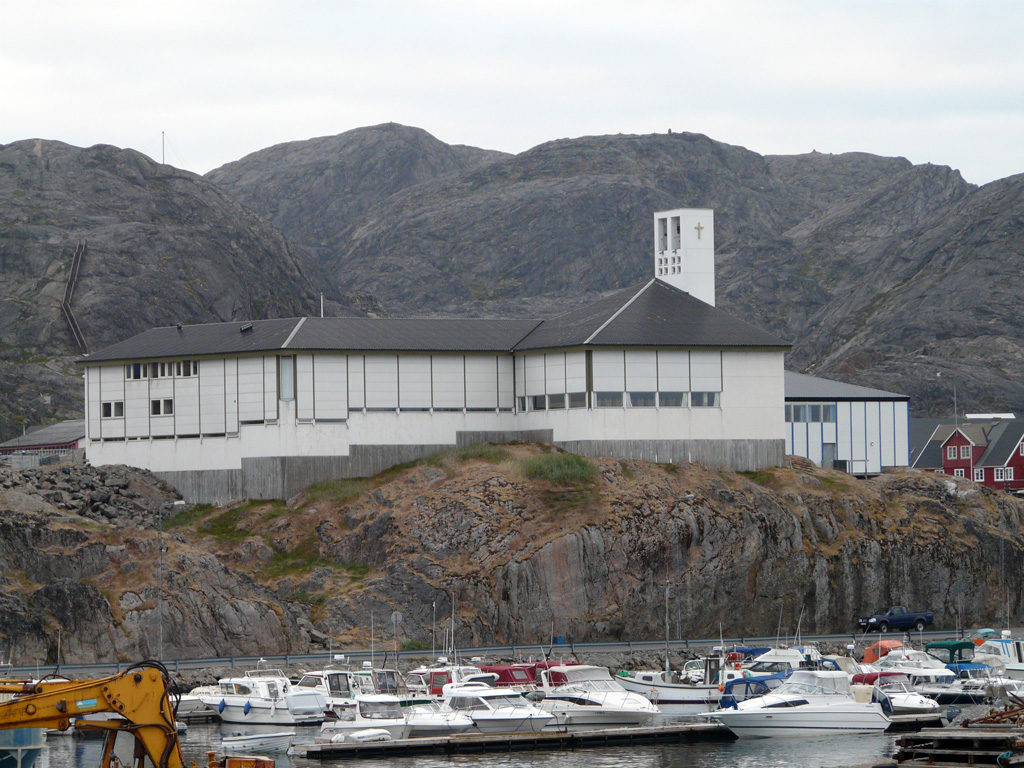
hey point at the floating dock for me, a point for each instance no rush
(956, 746)
(515, 742)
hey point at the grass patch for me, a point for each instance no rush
(670, 467)
(340, 491)
(414, 645)
(225, 525)
(316, 598)
(767, 479)
(189, 517)
(834, 484)
(564, 469)
(488, 452)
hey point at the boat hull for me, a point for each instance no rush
(257, 743)
(529, 724)
(803, 721)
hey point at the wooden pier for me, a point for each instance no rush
(957, 747)
(515, 742)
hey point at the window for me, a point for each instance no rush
(520, 404)
(136, 371)
(161, 407)
(799, 413)
(814, 412)
(1021, 448)
(1000, 474)
(675, 232)
(828, 413)
(940, 471)
(538, 403)
(114, 409)
(662, 234)
(672, 399)
(641, 399)
(704, 399)
(958, 472)
(286, 371)
(965, 451)
(577, 399)
(1009, 474)
(979, 475)
(608, 399)
(789, 413)
(556, 402)
(950, 451)
(184, 368)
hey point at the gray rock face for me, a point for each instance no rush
(163, 246)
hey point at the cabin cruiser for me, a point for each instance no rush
(808, 703)
(434, 719)
(378, 711)
(974, 684)
(922, 668)
(1009, 650)
(494, 710)
(584, 696)
(430, 681)
(339, 687)
(682, 692)
(265, 696)
(895, 690)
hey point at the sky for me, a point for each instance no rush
(205, 82)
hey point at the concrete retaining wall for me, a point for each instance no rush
(282, 477)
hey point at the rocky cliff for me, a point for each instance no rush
(522, 538)
(164, 246)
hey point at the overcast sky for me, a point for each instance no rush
(936, 82)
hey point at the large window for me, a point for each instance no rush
(538, 403)
(704, 399)
(965, 451)
(287, 371)
(556, 402)
(161, 407)
(641, 399)
(577, 399)
(950, 451)
(608, 399)
(113, 409)
(1002, 474)
(672, 399)
(814, 413)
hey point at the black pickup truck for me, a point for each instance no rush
(896, 618)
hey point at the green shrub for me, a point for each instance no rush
(341, 491)
(225, 525)
(188, 517)
(492, 454)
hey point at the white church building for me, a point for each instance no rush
(262, 409)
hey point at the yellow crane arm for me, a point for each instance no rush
(139, 695)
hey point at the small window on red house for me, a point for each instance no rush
(959, 472)
(950, 451)
(965, 451)
(979, 475)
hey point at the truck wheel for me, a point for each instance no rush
(883, 626)
(919, 625)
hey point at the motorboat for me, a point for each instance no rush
(430, 681)
(974, 684)
(922, 668)
(191, 703)
(378, 711)
(257, 743)
(339, 687)
(584, 696)
(434, 719)
(897, 689)
(495, 710)
(1009, 650)
(808, 703)
(265, 696)
(680, 692)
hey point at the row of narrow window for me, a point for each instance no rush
(114, 409)
(620, 400)
(179, 368)
(814, 413)
(999, 474)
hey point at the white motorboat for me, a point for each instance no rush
(809, 703)
(897, 689)
(430, 681)
(377, 711)
(257, 743)
(265, 696)
(339, 687)
(191, 703)
(584, 696)
(682, 693)
(974, 684)
(922, 668)
(433, 719)
(494, 710)
(1009, 650)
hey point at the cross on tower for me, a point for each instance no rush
(699, 228)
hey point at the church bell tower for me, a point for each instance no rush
(684, 251)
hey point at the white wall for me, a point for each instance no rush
(870, 434)
(684, 251)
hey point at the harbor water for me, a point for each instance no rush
(830, 752)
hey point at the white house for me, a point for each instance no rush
(261, 409)
(862, 429)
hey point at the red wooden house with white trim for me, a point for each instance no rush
(990, 453)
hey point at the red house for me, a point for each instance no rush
(990, 453)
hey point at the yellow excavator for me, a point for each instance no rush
(140, 695)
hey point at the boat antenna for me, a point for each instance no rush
(778, 629)
(800, 618)
(57, 670)
(455, 653)
(433, 631)
(668, 668)
(371, 638)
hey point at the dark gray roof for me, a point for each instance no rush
(652, 315)
(921, 431)
(411, 334)
(930, 456)
(655, 314)
(800, 386)
(1003, 438)
(61, 433)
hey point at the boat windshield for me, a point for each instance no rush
(380, 710)
(904, 657)
(597, 685)
(510, 700)
(807, 684)
(309, 681)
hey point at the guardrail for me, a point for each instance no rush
(69, 293)
(553, 651)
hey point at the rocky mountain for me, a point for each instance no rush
(163, 246)
(881, 272)
(517, 540)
